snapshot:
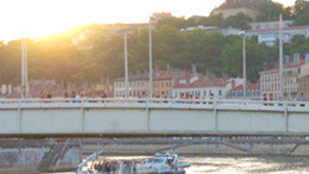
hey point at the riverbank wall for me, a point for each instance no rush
(37, 157)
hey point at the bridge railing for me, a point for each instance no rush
(153, 102)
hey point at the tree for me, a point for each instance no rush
(270, 11)
(177, 22)
(213, 20)
(238, 21)
(299, 44)
(257, 54)
(301, 13)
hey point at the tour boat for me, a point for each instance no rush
(166, 163)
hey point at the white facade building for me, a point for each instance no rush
(138, 86)
(270, 80)
(271, 36)
(269, 25)
(225, 31)
(270, 83)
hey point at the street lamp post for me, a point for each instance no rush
(244, 57)
(24, 69)
(281, 58)
(126, 69)
(150, 61)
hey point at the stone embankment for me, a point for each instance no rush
(32, 156)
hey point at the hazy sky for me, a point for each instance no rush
(42, 17)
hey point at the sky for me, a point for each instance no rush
(39, 18)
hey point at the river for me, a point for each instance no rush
(240, 164)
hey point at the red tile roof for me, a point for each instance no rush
(165, 76)
(218, 82)
(250, 87)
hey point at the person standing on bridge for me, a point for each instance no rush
(302, 98)
(265, 99)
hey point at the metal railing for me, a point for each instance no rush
(154, 103)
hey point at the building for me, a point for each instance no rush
(271, 36)
(200, 27)
(225, 31)
(304, 85)
(269, 25)
(253, 92)
(291, 76)
(230, 31)
(233, 7)
(138, 86)
(204, 88)
(270, 83)
(234, 82)
(293, 71)
(163, 84)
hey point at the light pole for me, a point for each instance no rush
(281, 58)
(244, 71)
(150, 61)
(126, 70)
(24, 69)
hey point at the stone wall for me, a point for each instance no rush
(31, 157)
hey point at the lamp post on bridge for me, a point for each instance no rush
(24, 69)
(126, 69)
(281, 58)
(244, 57)
(150, 61)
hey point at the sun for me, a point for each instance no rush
(39, 18)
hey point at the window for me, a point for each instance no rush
(220, 93)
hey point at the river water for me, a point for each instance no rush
(240, 164)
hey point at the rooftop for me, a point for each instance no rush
(249, 87)
(277, 29)
(206, 82)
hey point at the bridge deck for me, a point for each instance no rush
(143, 117)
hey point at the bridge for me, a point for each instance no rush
(151, 117)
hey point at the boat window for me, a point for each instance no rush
(155, 160)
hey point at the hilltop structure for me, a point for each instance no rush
(233, 7)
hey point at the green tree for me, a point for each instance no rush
(213, 20)
(178, 22)
(301, 12)
(270, 11)
(238, 21)
(257, 54)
